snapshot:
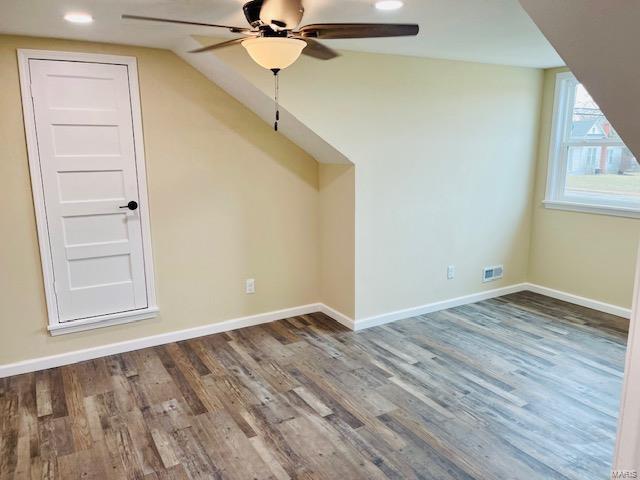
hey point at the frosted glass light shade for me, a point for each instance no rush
(274, 52)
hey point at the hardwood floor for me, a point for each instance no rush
(520, 387)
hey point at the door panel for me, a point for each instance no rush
(87, 159)
(91, 185)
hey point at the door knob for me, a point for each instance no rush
(131, 205)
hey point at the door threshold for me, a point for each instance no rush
(73, 326)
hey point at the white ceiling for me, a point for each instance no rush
(488, 31)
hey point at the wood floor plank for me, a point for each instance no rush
(58, 394)
(43, 394)
(315, 403)
(520, 387)
(186, 389)
(229, 448)
(75, 406)
(268, 458)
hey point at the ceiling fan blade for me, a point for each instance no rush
(285, 14)
(358, 30)
(216, 46)
(317, 50)
(185, 22)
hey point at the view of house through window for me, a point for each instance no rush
(590, 163)
(605, 166)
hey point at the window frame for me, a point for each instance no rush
(560, 142)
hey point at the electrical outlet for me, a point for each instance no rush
(451, 272)
(250, 285)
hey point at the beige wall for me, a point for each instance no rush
(585, 254)
(445, 154)
(337, 237)
(230, 199)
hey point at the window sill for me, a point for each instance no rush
(102, 321)
(593, 209)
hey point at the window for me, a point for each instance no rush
(590, 168)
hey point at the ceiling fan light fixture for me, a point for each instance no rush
(274, 53)
(389, 4)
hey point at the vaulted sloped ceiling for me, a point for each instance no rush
(255, 99)
(599, 42)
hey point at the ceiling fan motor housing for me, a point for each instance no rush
(252, 12)
(276, 15)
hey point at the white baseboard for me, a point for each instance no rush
(67, 358)
(42, 363)
(377, 320)
(582, 301)
(338, 316)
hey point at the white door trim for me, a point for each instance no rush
(37, 187)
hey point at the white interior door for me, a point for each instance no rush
(87, 159)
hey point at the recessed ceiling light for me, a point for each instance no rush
(76, 17)
(389, 4)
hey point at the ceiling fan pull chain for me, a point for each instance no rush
(276, 71)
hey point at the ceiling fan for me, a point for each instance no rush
(274, 40)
